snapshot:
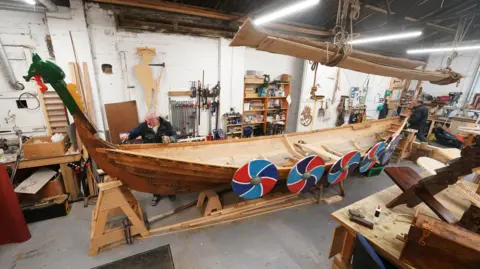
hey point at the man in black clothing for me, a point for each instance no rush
(418, 120)
(153, 130)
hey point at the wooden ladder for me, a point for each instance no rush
(54, 112)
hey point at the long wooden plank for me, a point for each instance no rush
(179, 93)
(181, 227)
(49, 161)
(88, 92)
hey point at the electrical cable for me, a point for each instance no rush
(31, 94)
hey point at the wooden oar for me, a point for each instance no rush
(171, 212)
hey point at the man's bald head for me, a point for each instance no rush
(151, 118)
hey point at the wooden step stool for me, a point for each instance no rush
(114, 198)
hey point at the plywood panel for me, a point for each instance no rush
(121, 117)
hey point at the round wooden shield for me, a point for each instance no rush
(372, 157)
(305, 174)
(389, 150)
(255, 179)
(343, 166)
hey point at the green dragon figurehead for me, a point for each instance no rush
(48, 72)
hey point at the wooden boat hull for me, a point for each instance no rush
(172, 175)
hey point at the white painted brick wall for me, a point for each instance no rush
(185, 57)
(326, 83)
(21, 33)
(466, 63)
(72, 21)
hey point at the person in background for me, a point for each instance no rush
(384, 111)
(418, 120)
(154, 129)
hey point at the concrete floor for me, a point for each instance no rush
(292, 238)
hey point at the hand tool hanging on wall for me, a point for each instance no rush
(218, 134)
(341, 109)
(313, 90)
(337, 85)
(199, 99)
(193, 89)
(321, 110)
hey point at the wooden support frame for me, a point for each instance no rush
(341, 247)
(213, 203)
(114, 197)
(405, 147)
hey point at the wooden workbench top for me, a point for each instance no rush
(396, 221)
(70, 156)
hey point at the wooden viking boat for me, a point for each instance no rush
(193, 167)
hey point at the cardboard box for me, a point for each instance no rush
(52, 188)
(32, 149)
(285, 78)
(254, 80)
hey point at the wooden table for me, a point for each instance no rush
(390, 224)
(70, 180)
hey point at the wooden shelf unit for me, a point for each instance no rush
(231, 129)
(256, 83)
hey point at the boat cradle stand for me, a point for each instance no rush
(115, 198)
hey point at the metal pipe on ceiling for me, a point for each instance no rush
(21, 6)
(51, 7)
(8, 71)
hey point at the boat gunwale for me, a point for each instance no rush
(145, 155)
(369, 124)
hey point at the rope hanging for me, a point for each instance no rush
(462, 29)
(348, 11)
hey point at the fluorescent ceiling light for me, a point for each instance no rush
(285, 11)
(31, 2)
(386, 38)
(444, 49)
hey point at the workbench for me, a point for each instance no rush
(70, 180)
(455, 123)
(392, 222)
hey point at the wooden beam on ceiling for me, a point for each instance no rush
(202, 12)
(410, 19)
(173, 7)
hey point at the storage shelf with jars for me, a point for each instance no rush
(265, 105)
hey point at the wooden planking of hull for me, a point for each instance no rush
(193, 167)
